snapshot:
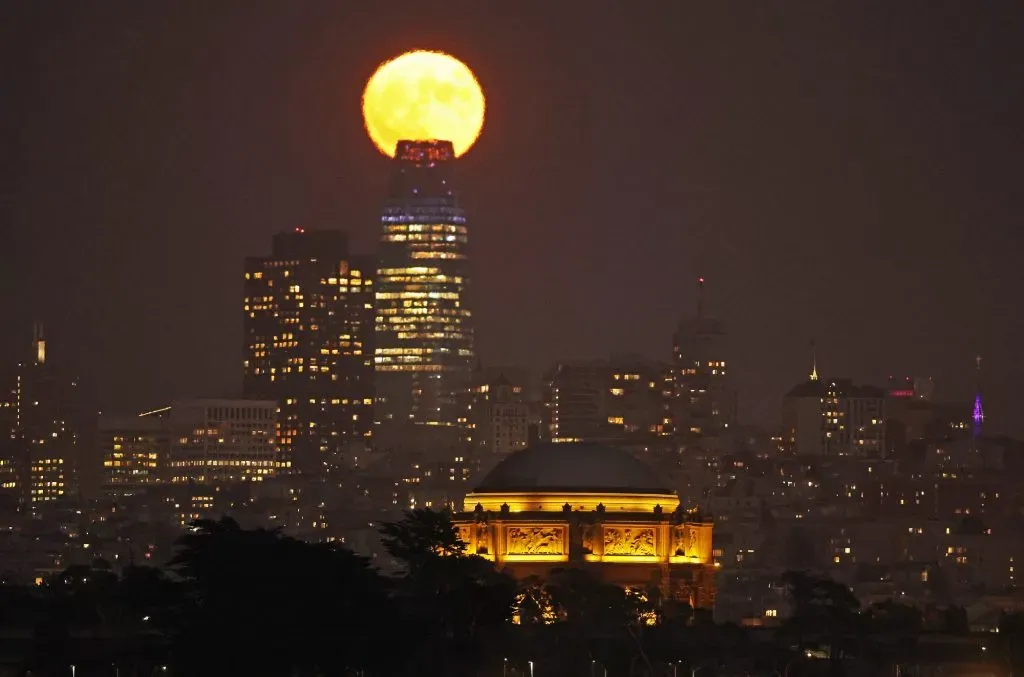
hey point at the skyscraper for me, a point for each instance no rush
(40, 436)
(705, 399)
(623, 398)
(499, 415)
(424, 336)
(134, 452)
(223, 442)
(309, 344)
(834, 417)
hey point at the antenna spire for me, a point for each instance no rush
(978, 415)
(814, 361)
(700, 296)
(38, 343)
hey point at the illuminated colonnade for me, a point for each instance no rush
(624, 534)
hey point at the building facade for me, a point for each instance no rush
(611, 400)
(594, 508)
(424, 348)
(309, 344)
(705, 400)
(499, 417)
(219, 442)
(134, 453)
(39, 442)
(835, 417)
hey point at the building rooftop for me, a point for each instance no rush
(577, 466)
(841, 387)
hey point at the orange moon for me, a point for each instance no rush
(423, 96)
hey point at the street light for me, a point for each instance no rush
(504, 667)
(531, 668)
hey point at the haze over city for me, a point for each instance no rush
(464, 339)
(843, 174)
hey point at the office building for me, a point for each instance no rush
(499, 416)
(705, 401)
(835, 417)
(308, 344)
(218, 442)
(424, 336)
(623, 398)
(134, 452)
(39, 444)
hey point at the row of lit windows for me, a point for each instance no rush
(218, 462)
(409, 287)
(137, 455)
(448, 333)
(356, 350)
(424, 238)
(424, 330)
(428, 306)
(420, 228)
(434, 312)
(293, 400)
(437, 255)
(423, 315)
(126, 464)
(390, 359)
(426, 279)
(416, 367)
(256, 275)
(410, 270)
(448, 296)
(407, 214)
(409, 351)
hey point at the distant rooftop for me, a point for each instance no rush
(843, 387)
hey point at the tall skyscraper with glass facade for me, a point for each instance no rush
(424, 336)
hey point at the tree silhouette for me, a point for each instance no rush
(422, 535)
(451, 605)
(824, 612)
(893, 618)
(1011, 640)
(261, 603)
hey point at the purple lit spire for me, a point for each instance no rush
(978, 415)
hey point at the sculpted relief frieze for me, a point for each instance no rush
(684, 541)
(590, 539)
(534, 540)
(628, 541)
(484, 541)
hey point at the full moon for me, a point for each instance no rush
(423, 96)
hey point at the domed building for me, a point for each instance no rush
(591, 507)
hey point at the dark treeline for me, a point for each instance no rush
(256, 602)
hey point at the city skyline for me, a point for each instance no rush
(548, 339)
(835, 216)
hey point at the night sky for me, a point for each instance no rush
(848, 172)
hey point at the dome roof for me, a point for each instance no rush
(575, 466)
